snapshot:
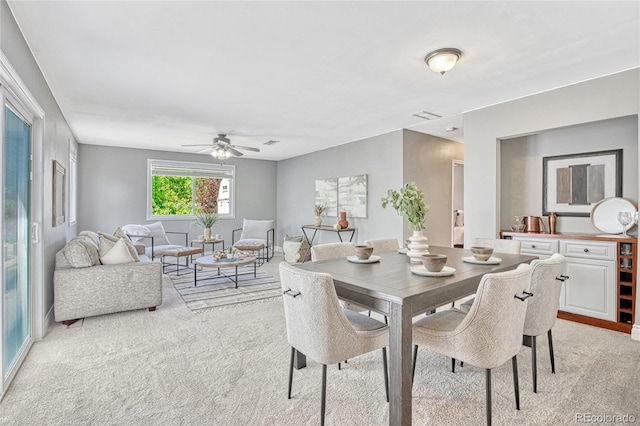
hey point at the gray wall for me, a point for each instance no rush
(57, 137)
(428, 161)
(521, 166)
(113, 189)
(379, 157)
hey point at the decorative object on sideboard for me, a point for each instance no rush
(318, 210)
(206, 220)
(534, 224)
(625, 218)
(604, 215)
(553, 219)
(344, 224)
(409, 203)
(518, 224)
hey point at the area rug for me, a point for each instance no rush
(218, 292)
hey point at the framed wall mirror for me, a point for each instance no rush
(59, 193)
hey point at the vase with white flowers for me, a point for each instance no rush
(408, 201)
(318, 210)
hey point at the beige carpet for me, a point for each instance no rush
(218, 291)
(229, 367)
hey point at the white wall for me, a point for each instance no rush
(613, 96)
(379, 157)
(521, 167)
(112, 189)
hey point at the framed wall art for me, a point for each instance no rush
(352, 195)
(572, 184)
(327, 195)
(59, 193)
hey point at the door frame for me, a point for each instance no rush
(454, 163)
(12, 86)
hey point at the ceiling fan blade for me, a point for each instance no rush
(247, 148)
(234, 152)
(202, 144)
(202, 151)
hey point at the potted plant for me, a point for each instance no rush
(408, 201)
(206, 220)
(318, 210)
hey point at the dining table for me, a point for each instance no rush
(388, 286)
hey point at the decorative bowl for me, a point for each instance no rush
(434, 262)
(364, 252)
(481, 253)
(518, 228)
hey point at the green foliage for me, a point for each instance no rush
(206, 220)
(408, 202)
(171, 195)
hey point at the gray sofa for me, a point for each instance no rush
(84, 287)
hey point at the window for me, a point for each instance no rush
(179, 190)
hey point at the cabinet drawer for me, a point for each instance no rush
(588, 249)
(538, 246)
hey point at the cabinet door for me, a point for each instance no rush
(590, 289)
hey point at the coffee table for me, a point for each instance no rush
(210, 262)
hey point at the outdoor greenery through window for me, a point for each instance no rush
(180, 189)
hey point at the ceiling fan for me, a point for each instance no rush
(221, 148)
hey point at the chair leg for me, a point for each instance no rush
(293, 354)
(553, 362)
(453, 365)
(516, 386)
(323, 396)
(534, 364)
(488, 390)
(339, 366)
(415, 357)
(386, 372)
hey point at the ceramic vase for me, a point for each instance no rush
(317, 221)
(343, 220)
(417, 246)
(207, 234)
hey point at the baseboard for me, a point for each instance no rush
(635, 332)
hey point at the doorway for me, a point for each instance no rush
(457, 203)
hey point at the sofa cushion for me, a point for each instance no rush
(121, 234)
(80, 253)
(117, 254)
(107, 241)
(92, 236)
(255, 229)
(156, 230)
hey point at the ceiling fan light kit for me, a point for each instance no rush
(222, 149)
(442, 60)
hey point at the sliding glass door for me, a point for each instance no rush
(16, 281)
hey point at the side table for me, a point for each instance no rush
(204, 243)
(324, 229)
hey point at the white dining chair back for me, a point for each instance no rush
(332, 251)
(547, 277)
(499, 245)
(383, 244)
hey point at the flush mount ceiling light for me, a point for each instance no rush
(442, 60)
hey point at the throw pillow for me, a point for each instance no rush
(121, 234)
(297, 238)
(118, 254)
(156, 230)
(91, 236)
(114, 239)
(106, 244)
(255, 229)
(291, 250)
(137, 230)
(80, 253)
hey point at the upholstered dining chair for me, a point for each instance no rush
(319, 328)
(330, 251)
(542, 309)
(489, 334)
(499, 246)
(383, 244)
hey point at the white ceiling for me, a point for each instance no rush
(156, 75)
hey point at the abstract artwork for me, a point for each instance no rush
(572, 184)
(352, 195)
(327, 195)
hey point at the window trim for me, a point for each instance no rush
(227, 168)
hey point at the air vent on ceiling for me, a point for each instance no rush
(426, 115)
(271, 142)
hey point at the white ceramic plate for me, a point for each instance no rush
(491, 261)
(421, 270)
(604, 215)
(372, 259)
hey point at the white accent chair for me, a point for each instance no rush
(383, 244)
(320, 329)
(256, 235)
(489, 334)
(546, 283)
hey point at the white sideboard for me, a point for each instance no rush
(601, 285)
